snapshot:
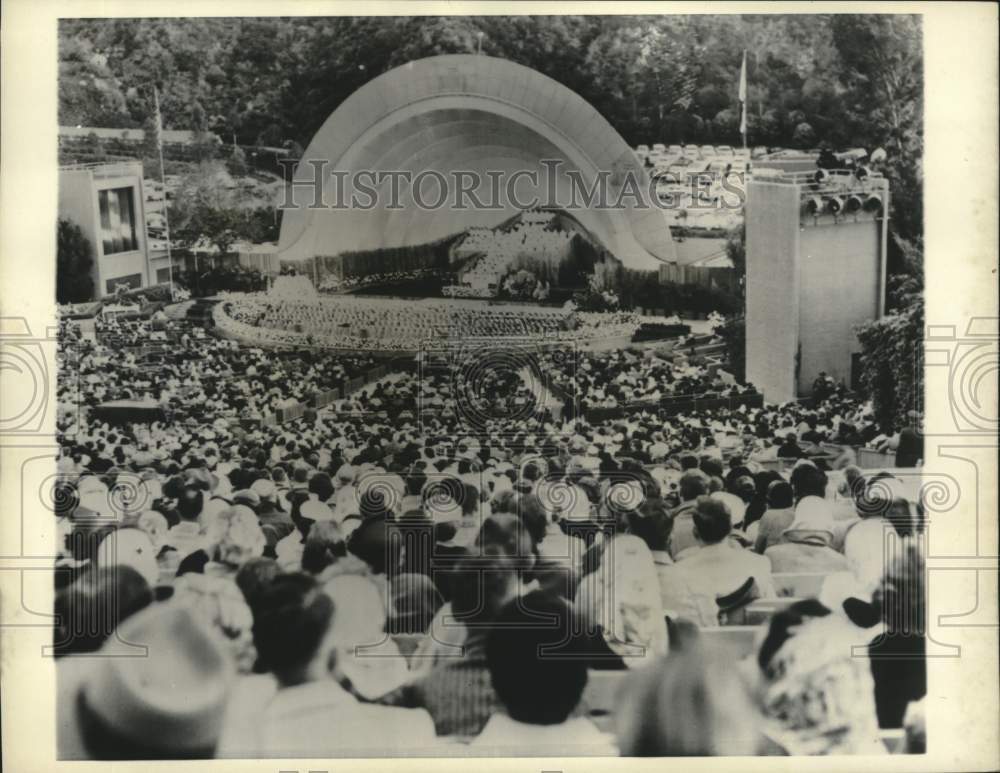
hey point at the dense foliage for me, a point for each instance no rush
(891, 359)
(74, 261)
(813, 79)
(734, 334)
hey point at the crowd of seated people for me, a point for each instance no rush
(612, 379)
(364, 582)
(334, 283)
(392, 324)
(355, 585)
(197, 377)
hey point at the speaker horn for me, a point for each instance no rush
(813, 205)
(873, 203)
(853, 203)
(821, 176)
(834, 204)
(862, 172)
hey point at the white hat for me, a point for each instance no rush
(812, 514)
(358, 624)
(96, 499)
(170, 700)
(130, 547)
(315, 510)
(264, 488)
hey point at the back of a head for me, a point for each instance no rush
(780, 495)
(532, 514)
(884, 496)
(373, 544)
(652, 525)
(535, 664)
(711, 467)
(190, 503)
(319, 484)
(507, 535)
(254, 576)
(88, 610)
(325, 544)
(782, 627)
(687, 705)
(694, 484)
(689, 461)
(712, 520)
(291, 619)
(480, 589)
(808, 481)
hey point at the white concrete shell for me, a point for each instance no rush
(475, 113)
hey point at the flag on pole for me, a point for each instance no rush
(743, 98)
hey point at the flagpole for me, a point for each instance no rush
(163, 182)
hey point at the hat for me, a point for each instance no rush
(371, 663)
(209, 511)
(130, 547)
(200, 478)
(96, 500)
(264, 488)
(345, 473)
(246, 497)
(315, 510)
(162, 684)
(812, 514)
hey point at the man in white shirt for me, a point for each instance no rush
(311, 714)
(717, 568)
(539, 674)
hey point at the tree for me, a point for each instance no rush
(236, 164)
(151, 136)
(219, 225)
(734, 334)
(263, 224)
(881, 67)
(804, 136)
(890, 362)
(74, 261)
(736, 250)
(892, 346)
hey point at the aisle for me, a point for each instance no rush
(543, 396)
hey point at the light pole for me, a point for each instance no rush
(479, 45)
